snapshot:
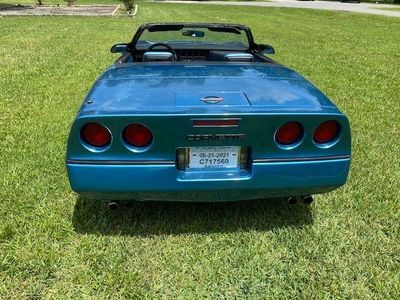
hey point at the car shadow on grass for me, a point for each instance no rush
(175, 218)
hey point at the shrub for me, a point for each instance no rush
(129, 5)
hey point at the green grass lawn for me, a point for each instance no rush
(56, 245)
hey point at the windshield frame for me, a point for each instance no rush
(179, 26)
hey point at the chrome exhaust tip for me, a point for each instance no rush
(113, 205)
(292, 200)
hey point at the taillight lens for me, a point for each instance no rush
(96, 135)
(289, 133)
(326, 132)
(137, 135)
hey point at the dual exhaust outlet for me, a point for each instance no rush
(308, 199)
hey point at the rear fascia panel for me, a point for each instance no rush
(267, 180)
(170, 133)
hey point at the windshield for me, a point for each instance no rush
(223, 37)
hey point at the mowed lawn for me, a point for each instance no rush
(54, 244)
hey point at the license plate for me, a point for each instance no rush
(224, 157)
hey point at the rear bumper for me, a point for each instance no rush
(166, 182)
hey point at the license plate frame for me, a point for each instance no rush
(206, 158)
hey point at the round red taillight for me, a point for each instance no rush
(137, 135)
(326, 132)
(289, 133)
(96, 135)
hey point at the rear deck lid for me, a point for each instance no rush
(174, 87)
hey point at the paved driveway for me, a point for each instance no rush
(368, 8)
(80, 10)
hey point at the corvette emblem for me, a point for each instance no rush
(216, 137)
(212, 99)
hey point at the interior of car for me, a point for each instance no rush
(188, 55)
(192, 55)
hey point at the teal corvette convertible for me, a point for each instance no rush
(199, 112)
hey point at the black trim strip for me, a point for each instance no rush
(172, 162)
(297, 159)
(120, 162)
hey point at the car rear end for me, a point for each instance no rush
(208, 157)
